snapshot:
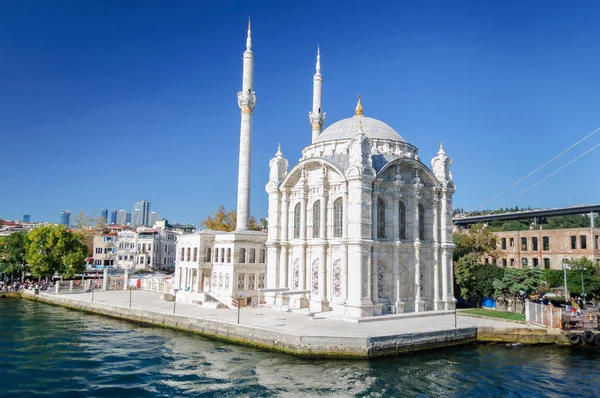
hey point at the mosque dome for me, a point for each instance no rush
(345, 129)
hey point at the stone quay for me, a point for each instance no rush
(300, 333)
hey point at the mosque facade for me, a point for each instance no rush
(360, 225)
(360, 221)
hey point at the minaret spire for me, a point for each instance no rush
(317, 116)
(249, 38)
(247, 102)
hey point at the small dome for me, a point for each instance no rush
(346, 128)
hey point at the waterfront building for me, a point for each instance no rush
(141, 213)
(144, 248)
(546, 248)
(104, 249)
(360, 220)
(26, 218)
(65, 218)
(227, 265)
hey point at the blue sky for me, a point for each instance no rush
(109, 102)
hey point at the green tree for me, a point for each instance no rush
(583, 268)
(517, 280)
(12, 253)
(475, 279)
(478, 240)
(226, 221)
(53, 249)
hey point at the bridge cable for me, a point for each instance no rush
(536, 170)
(548, 176)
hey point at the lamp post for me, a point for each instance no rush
(130, 297)
(239, 306)
(92, 295)
(565, 268)
(175, 299)
(581, 269)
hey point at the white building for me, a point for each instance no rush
(222, 264)
(360, 220)
(146, 248)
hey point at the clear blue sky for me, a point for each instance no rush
(103, 103)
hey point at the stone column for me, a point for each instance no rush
(105, 279)
(303, 274)
(344, 266)
(445, 265)
(323, 215)
(438, 303)
(126, 279)
(419, 303)
(374, 215)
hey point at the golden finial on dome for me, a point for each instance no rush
(359, 109)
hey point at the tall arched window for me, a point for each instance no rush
(242, 256)
(380, 218)
(338, 217)
(187, 257)
(421, 222)
(195, 254)
(402, 220)
(229, 255)
(297, 221)
(317, 219)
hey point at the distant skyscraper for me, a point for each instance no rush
(26, 218)
(141, 213)
(104, 215)
(113, 217)
(121, 217)
(128, 218)
(65, 218)
(154, 217)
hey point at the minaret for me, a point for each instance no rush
(247, 102)
(317, 116)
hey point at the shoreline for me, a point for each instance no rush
(333, 345)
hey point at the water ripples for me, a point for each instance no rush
(51, 351)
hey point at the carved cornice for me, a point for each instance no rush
(247, 101)
(317, 120)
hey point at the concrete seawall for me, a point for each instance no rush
(301, 345)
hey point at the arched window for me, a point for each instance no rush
(242, 256)
(380, 218)
(223, 255)
(182, 256)
(187, 257)
(421, 222)
(338, 217)
(208, 256)
(252, 256)
(195, 254)
(228, 255)
(317, 219)
(261, 256)
(297, 221)
(402, 220)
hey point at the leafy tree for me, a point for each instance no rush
(475, 279)
(226, 221)
(53, 249)
(517, 280)
(12, 253)
(478, 240)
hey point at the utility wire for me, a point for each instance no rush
(536, 170)
(548, 176)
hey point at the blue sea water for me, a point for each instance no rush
(55, 352)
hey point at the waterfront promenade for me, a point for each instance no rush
(296, 332)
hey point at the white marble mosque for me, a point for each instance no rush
(360, 221)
